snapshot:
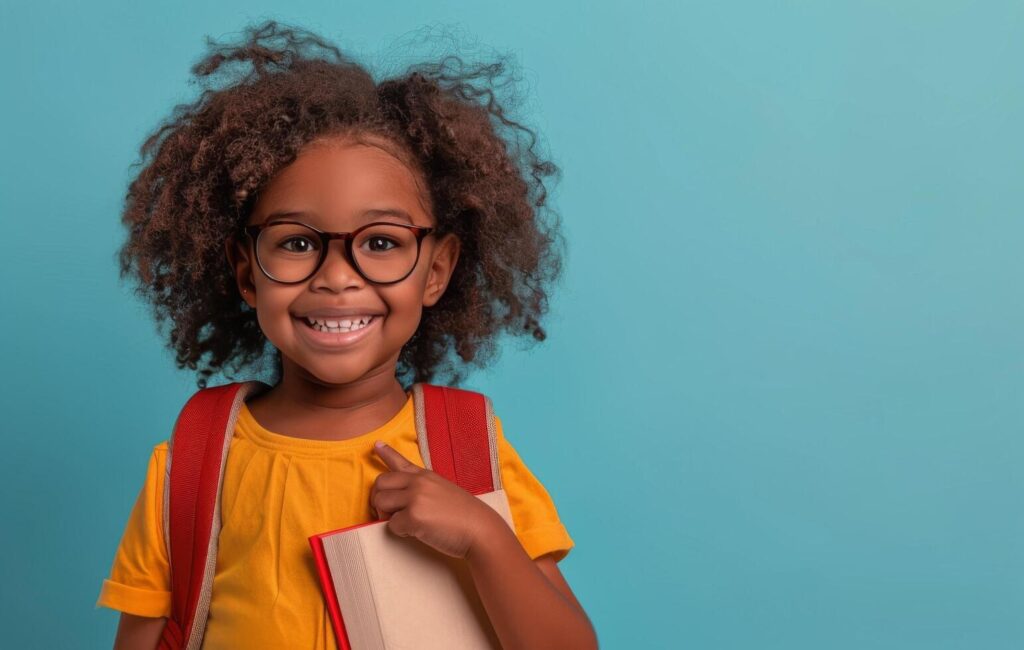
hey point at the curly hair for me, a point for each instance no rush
(204, 166)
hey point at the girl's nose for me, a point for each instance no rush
(337, 270)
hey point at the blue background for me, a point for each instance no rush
(780, 405)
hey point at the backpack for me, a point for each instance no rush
(461, 446)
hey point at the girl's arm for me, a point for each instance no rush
(528, 602)
(138, 632)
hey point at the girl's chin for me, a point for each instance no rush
(336, 373)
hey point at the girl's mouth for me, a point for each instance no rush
(323, 335)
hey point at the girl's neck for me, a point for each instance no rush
(304, 407)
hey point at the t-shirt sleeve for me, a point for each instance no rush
(534, 516)
(140, 578)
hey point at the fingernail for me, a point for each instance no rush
(379, 444)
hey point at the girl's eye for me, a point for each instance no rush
(297, 245)
(379, 240)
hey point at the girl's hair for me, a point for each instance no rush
(203, 167)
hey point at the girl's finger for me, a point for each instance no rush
(400, 524)
(395, 460)
(373, 508)
(388, 481)
(392, 480)
(386, 502)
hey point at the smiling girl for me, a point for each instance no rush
(355, 235)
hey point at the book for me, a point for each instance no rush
(386, 592)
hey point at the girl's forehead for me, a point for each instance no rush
(341, 175)
(353, 166)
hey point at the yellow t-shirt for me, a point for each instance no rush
(277, 491)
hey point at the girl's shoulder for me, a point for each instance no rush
(159, 452)
(161, 449)
(158, 459)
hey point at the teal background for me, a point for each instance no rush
(780, 405)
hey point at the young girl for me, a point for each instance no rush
(222, 220)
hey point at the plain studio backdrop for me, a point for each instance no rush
(780, 405)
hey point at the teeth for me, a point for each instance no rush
(334, 326)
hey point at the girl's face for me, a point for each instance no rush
(331, 185)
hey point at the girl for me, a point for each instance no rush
(307, 141)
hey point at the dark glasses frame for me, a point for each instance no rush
(326, 238)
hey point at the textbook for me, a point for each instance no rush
(386, 592)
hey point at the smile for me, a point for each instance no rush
(329, 333)
(340, 325)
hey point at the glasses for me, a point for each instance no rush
(290, 252)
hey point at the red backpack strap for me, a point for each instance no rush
(458, 436)
(197, 454)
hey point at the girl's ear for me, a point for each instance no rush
(442, 264)
(241, 265)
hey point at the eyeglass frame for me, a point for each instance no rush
(326, 237)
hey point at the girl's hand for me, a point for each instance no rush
(417, 502)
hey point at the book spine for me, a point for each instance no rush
(330, 595)
(345, 552)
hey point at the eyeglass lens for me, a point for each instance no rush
(291, 252)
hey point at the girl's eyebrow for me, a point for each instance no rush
(365, 216)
